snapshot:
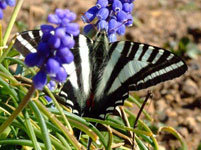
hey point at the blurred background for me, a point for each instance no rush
(174, 25)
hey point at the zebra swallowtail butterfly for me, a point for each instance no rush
(103, 73)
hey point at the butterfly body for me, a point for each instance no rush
(103, 73)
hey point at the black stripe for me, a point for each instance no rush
(144, 49)
(155, 68)
(118, 66)
(112, 48)
(163, 57)
(29, 39)
(134, 50)
(153, 54)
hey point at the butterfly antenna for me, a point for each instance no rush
(149, 94)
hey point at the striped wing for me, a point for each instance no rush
(27, 41)
(134, 66)
(76, 89)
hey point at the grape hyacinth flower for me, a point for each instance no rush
(110, 15)
(53, 51)
(4, 4)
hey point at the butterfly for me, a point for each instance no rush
(103, 73)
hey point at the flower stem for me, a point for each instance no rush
(18, 109)
(12, 21)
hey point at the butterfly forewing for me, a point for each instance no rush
(134, 66)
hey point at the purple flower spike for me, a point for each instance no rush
(112, 16)
(53, 50)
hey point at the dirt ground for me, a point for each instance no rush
(176, 103)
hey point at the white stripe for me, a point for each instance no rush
(170, 57)
(102, 115)
(73, 76)
(139, 52)
(163, 71)
(110, 108)
(64, 93)
(159, 54)
(26, 44)
(130, 49)
(40, 33)
(118, 102)
(69, 102)
(109, 68)
(75, 111)
(85, 64)
(129, 70)
(30, 33)
(147, 53)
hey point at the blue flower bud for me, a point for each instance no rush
(103, 25)
(128, 7)
(88, 28)
(113, 24)
(101, 3)
(60, 13)
(61, 75)
(32, 59)
(121, 30)
(52, 66)
(72, 28)
(39, 80)
(10, 2)
(46, 28)
(3, 5)
(112, 37)
(43, 49)
(90, 14)
(117, 6)
(1, 14)
(51, 85)
(47, 97)
(68, 41)
(103, 14)
(122, 16)
(60, 32)
(54, 42)
(53, 19)
(129, 22)
(65, 55)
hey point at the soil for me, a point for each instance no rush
(175, 103)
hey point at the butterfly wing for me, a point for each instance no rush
(134, 66)
(78, 84)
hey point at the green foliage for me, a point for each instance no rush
(41, 126)
(185, 47)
